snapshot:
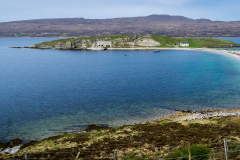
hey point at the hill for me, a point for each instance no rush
(174, 26)
(132, 41)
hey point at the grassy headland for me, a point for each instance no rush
(150, 140)
(122, 41)
(193, 42)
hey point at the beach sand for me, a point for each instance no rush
(232, 53)
(182, 115)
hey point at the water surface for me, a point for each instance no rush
(47, 92)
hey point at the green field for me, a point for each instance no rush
(193, 42)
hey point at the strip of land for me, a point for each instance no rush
(155, 139)
(141, 42)
(126, 42)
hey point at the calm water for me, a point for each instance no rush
(236, 40)
(47, 92)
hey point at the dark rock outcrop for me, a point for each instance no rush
(12, 143)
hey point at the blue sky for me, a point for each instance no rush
(224, 10)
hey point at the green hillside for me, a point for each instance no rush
(193, 42)
(167, 42)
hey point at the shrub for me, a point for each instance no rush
(198, 152)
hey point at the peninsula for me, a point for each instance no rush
(133, 42)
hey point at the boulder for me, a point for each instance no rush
(12, 143)
(32, 46)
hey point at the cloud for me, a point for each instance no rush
(210, 9)
(174, 2)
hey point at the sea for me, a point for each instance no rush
(49, 92)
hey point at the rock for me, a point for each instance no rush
(146, 42)
(83, 47)
(11, 150)
(11, 147)
(58, 45)
(4, 145)
(77, 44)
(68, 45)
(12, 143)
(44, 47)
(15, 142)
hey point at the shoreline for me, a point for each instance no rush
(189, 115)
(178, 116)
(235, 54)
(182, 122)
(182, 115)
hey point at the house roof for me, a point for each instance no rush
(184, 42)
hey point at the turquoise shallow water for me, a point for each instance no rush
(47, 92)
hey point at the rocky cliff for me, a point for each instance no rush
(131, 41)
(92, 43)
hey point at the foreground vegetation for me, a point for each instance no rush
(157, 139)
(167, 42)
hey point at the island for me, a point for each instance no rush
(133, 42)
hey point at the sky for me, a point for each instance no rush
(216, 10)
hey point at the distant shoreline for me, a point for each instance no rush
(235, 53)
(73, 37)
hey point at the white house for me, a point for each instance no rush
(184, 44)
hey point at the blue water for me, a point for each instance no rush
(48, 92)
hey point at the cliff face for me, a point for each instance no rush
(131, 41)
(84, 44)
(145, 42)
(78, 44)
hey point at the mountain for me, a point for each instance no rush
(175, 26)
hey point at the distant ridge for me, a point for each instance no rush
(175, 26)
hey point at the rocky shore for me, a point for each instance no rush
(190, 115)
(14, 145)
(11, 147)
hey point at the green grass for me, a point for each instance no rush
(208, 42)
(165, 122)
(107, 38)
(198, 152)
(193, 42)
(167, 42)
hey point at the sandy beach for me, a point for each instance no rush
(232, 53)
(181, 116)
